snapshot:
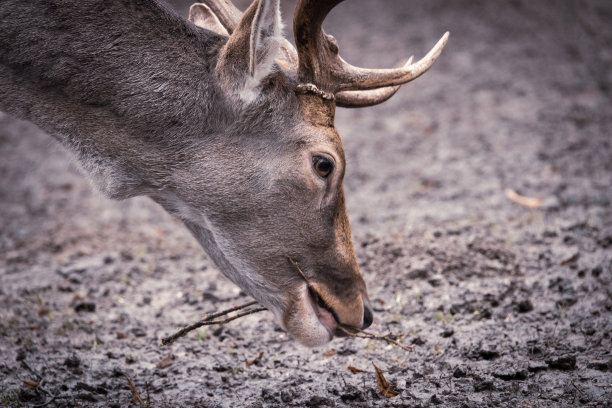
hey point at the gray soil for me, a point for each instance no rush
(504, 305)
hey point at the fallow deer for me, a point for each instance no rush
(221, 121)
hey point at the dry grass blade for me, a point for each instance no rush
(135, 394)
(294, 263)
(388, 338)
(209, 320)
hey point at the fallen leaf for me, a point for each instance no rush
(135, 394)
(354, 370)
(383, 385)
(571, 259)
(166, 362)
(255, 360)
(43, 311)
(529, 202)
(31, 384)
(329, 353)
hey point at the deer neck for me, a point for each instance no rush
(120, 87)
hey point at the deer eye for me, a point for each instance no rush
(322, 165)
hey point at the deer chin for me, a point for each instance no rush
(309, 323)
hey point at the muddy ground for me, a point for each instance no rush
(504, 305)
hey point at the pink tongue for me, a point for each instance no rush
(326, 318)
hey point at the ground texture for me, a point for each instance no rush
(504, 305)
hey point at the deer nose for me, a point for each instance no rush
(368, 315)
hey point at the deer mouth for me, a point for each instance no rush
(326, 315)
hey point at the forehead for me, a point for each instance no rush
(317, 122)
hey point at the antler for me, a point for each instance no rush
(361, 99)
(228, 14)
(321, 65)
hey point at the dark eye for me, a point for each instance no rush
(323, 166)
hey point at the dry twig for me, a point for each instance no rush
(39, 386)
(209, 320)
(353, 331)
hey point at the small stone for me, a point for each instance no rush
(435, 400)
(525, 306)
(484, 385)
(535, 366)
(417, 341)
(21, 355)
(268, 395)
(459, 372)
(286, 396)
(72, 361)
(317, 401)
(565, 363)
(510, 374)
(601, 365)
(138, 332)
(488, 354)
(88, 307)
(418, 274)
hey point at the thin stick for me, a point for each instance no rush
(41, 379)
(208, 320)
(228, 311)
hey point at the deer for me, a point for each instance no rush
(221, 121)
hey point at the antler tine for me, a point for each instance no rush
(361, 99)
(351, 78)
(321, 65)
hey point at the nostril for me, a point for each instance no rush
(368, 316)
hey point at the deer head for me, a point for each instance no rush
(247, 156)
(305, 85)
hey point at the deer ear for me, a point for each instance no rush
(248, 57)
(202, 16)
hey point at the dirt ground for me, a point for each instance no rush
(504, 305)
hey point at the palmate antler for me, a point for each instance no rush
(319, 62)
